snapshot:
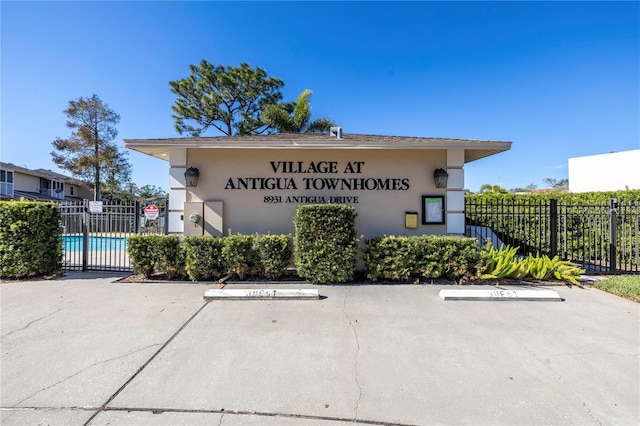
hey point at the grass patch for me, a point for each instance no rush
(624, 286)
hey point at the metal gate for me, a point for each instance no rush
(95, 234)
(600, 237)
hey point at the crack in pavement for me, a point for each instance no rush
(254, 413)
(32, 322)
(355, 357)
(559, 378)
(81, 371)
(112, 397)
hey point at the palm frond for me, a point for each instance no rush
(302, 111)
(320, 125)
(277, 117)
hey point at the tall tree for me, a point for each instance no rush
(229, 99)
(150, 191)
(89, 153)
(295, 117)
(557, 185)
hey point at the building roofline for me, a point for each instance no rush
(474, 149)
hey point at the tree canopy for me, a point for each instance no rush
(555, 184)
(295, 117)
(89, 153)
(229, 99)
(487, 188)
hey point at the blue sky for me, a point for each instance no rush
(559, 79)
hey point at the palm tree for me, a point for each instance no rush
(295, 117)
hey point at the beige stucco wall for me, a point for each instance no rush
(23, 182)
(379, 212)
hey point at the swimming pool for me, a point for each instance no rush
(96, 243)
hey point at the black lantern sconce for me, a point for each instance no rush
(191, 177)
(440, 177)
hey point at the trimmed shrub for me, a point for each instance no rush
(274, 252)
(142, 253)
(203, 257)
(30, 243)
(421, 257)
(325, 243)
(169, 256)
(238, 255)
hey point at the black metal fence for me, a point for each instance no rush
(601, 237)
(95, 235)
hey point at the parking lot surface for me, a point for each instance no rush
(86, 349)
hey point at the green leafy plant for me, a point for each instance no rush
(203, 257)
(169, 256)
(30, 243)
(421, 257)
(141, 251)
(274, 252)
(503, 263)
(239, 256)
(325, 242)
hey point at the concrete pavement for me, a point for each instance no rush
(87, 350)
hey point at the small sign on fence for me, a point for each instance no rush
(95, 206)
(151, 212)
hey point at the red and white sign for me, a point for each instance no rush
(151, 212)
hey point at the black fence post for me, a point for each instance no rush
(613, 226)
(166, 216)
(85, 236)
(136, 220)
(553, 227)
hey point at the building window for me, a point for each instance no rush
(71, 190)
(57, 190)
(6, 183)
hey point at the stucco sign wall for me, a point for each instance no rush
(255, 183)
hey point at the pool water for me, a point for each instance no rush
(96, 243)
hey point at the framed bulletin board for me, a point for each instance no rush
(433, 209)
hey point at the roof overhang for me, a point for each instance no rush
(473, 149)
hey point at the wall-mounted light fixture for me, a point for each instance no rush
(191, 177)
(440, 177)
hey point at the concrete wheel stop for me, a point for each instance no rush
(261, 294)
(501, 295)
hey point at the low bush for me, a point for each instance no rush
(421, 257)
(142, 253)
(30, 243)
(274, 252)
(169, 256)
(325, 243)
(238, 255)
(203, 257)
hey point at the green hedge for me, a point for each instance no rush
(421, 257)
(170, 258)
(203, 258)
(239, 256)
(30, 243)
(325, 243)
(274, 252)
(209, 258)
(627, 196)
